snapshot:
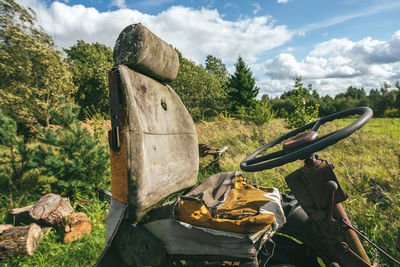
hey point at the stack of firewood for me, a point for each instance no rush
(51, 211)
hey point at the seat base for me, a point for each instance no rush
(159, 234)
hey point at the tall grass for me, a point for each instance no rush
(367, 165)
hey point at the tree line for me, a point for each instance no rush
(34, 74)
(385, 101)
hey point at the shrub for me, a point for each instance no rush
(304, 112)
(70, 154)
(260, 113)
(392, 113)
(15, 156)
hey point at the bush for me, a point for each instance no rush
(260, 113)
(303, 112)
(70, 154)
(15, 156)
(392, 113)
(66, 156)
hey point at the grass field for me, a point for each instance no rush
(367, 165)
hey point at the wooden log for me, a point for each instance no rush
(20, 215)
(4, 227)
(20, 240)
(74, 226)
(51, 209)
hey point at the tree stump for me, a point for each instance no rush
(51, 209)
(20, 240)
(20, 215)
(74, 226)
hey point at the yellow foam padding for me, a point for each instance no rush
(239, 213)
(119, 170)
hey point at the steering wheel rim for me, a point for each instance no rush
(252, 163)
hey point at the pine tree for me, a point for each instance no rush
(68, 152)
(243, 90)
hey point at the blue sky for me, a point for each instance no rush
(331, 44)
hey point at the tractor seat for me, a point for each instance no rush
(154, 154)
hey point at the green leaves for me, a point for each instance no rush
(304, 112)
(216, 67)
(33, 74)
(90, 64)
(14, 158)
(260, 113)
(71, 154)
(200, 91)
(66, 156)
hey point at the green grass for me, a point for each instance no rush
(371, 157)
(52, 251)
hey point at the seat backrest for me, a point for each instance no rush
(154, 147)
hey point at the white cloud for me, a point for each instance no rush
(118, 3)
(257, 8)
(282, 1)
(337, 64)
(194, 32)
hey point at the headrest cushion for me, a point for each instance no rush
(141, 50)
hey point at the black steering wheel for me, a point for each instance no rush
(306, 145)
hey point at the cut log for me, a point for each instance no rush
(20, 240)
(4, 227)
(51, 209)
(20, 215)
(74, 226)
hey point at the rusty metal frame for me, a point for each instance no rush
(319, 192)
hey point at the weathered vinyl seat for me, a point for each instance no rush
(154, 153)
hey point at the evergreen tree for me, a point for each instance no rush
(65, 155)
(243, 89)
(69, 154)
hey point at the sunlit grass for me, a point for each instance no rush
(371, 157)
